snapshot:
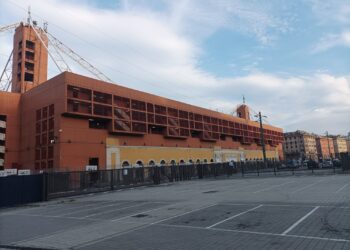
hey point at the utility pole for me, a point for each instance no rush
(262, 139)
(329, 147)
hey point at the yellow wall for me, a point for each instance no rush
(116, 154)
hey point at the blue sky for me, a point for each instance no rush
(289, 58)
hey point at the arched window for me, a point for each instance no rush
(190, 161)
(198, 161)
(182, 162)
(125, 164)
(162, 162)
(139, 164)
(205, 160)
(211, 160)
(151, 163)
(172, 162)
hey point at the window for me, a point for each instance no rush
(30, 44)
(29, 55)
(43, 153)
(44, 125)
(50, 152)
(28, 77)
(51, 110)
(29, 66)
(38, 127)
(125, 164)
(38, 114)
(37, 154)
(50, 164)
(51, 124)
(98, 124)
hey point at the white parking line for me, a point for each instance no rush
(300, 220)
(257, 233)
(305, 187)
(141, 212)
(342, 188)
(92, 208)
(110, 211)
(179, 215)
(273, 186)
(234, 216)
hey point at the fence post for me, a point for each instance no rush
(274, 168)
(112, 179)
(242, 168)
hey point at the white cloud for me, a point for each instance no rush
(331, 11)
(156, 52)
(333, 40)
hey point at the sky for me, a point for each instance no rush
(290, 59)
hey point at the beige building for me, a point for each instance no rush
(300, 145)
(340, 145)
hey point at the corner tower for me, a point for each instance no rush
(30, 58)
(243, 112)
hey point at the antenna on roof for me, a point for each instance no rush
(243, 99)
(29, 18)
(45, 26)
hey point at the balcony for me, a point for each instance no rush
(2, 137)
(2, 149)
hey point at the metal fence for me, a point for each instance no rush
(60, 184)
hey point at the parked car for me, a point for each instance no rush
(337, 163)
(325, 164)
(311, 164)
(293, 164)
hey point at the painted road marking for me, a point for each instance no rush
(300, 220)
(234, 216)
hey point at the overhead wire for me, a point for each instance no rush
(159, 86)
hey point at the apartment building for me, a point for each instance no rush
(300, 145)
(325, 147)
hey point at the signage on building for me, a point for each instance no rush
(24, 172)
(11, 171)
(2, 173)
(91, 168)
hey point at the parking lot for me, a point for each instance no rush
(295, 212)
